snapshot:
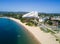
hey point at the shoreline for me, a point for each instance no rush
(25, 28)
(43, 38)
(33, 37)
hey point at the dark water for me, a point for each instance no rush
(13, 33)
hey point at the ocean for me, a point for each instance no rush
(13, 33)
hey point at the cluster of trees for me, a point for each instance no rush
(11, 14)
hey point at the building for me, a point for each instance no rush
(32, 14)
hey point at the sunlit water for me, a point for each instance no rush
(13, 33)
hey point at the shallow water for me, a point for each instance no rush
(13, 33)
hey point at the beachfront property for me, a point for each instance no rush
(31, 17)
(45, 24)
(32, 14)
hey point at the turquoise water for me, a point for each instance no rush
(13, 33)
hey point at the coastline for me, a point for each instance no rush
(43, 38)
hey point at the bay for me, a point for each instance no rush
(13, 33)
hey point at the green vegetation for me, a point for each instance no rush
(50, 31)
(23, 20)
(57, 39)
(47, 30)
(29, 23)
(42, 29)
(49, 22)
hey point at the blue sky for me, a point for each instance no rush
(46, 6)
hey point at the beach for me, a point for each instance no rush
(42, 37)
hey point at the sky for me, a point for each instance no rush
(46, 6)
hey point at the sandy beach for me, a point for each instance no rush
(42, 37)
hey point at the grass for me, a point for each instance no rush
(50, 31)
(47, 30)
(29, 24)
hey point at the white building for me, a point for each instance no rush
(41, 20)
(32, 14)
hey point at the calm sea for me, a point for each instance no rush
(13, 33)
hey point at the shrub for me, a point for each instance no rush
(29, 23)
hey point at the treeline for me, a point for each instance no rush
(19, 14)
(49, 14)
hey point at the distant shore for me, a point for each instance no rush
(42, 37)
